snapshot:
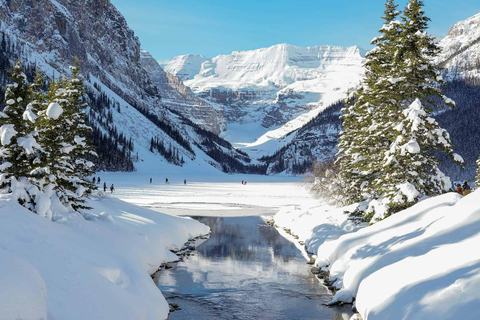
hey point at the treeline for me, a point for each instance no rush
(113, 148)
(170, 154)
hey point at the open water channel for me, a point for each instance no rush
(246, 270)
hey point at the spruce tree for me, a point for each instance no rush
(63, 138)
(410, 165)
(18, 145)
(367, 122)
(76, 131)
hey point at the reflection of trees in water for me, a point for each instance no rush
(245, 238)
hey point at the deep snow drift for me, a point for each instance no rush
(93, 268)
(421, 263)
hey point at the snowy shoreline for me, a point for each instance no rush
(80, 267)
(420, 263)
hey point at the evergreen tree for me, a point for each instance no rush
(367, 122)
(62, 135)
(77, 131)
(411, 167)
(18, 144)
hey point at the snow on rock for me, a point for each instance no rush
(54, 111)
(461, 49)
(23, 294)
(7, 132)
(420, 263)
(98, 267)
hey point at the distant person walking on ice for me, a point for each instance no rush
(466, 188)
(105, 186)
(459, 189)
(112, 188)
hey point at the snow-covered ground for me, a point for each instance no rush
(211, 195)
(421, 263)
(94, 268)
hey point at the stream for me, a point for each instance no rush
(246, 270)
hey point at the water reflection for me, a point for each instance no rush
(246, 270)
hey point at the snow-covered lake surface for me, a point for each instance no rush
(246, 268)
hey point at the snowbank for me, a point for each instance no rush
(87, 269)
(315, 224)
(421, 263)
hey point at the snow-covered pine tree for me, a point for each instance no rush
(18, 145)
(76, 138)
(63, 138)
(367, 123)
(410, 165)
(419, 136)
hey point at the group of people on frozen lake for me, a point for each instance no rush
(461, 189)
(97, 181)
(168, 182)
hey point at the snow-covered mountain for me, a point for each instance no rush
(127, 111)
(271, 91)
(179, 97)
(185, 66)
(461, 49)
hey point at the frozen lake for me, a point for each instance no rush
(246, 270)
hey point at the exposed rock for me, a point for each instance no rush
(179, 97)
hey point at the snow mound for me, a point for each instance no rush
(97, 268)
(420, 263)
(23, 294)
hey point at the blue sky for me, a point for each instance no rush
(211, 27)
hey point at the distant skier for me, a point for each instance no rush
(466, 188)
(185, 181)
(242, 182)
(105, 186)
(112, 188)
(166, 180)
(93, 180)
(98, 180)
(150, 180)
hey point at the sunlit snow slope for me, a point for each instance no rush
(461, 49)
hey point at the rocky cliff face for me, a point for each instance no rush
(461, 50)
(53, 32)
(127, 111)
(180, 98)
